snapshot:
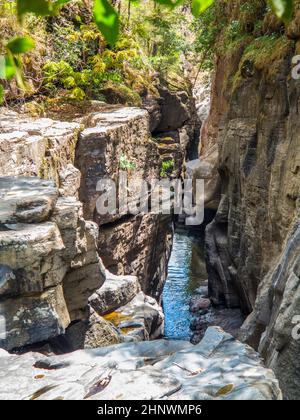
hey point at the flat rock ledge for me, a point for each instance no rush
(218, 368)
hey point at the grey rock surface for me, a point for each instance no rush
(26, 199)
(218, 368)
(116, 291)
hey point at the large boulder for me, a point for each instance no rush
(174, 109)
(116, 291)
(31, 319)
(91, 333)
(140, 319)
(206, 170)
(34, 254)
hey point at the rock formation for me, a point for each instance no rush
(64, 268)
(255, 119)
(172, 370)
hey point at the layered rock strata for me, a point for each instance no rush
(51, 244)
(254, 118)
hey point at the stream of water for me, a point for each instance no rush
(186, 272)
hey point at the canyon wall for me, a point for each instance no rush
(65, 270)
(252, 245)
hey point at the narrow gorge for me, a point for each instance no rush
(142, 301)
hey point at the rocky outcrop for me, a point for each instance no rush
(140, 245)
(52, 275)
(276, 313)
(58, 255)
(44, 243)
(51, 244)
(116, 140)
(114, 293)
(140, 319)
(172, 370)
(90, 333)
(203, 169)
(36, 147)
(119, 140)
(255, 119)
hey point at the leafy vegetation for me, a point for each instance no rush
(93, 48)
(125, 164)
(167, 168)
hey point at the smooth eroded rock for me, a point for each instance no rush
(26, 199)
(218, 368)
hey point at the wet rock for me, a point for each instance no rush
(230, 320)
(217, 368)
(199, 323)
(198, 303)
(202, 291)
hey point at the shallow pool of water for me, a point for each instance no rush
(186, 272)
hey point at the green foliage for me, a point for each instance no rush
(20, 45)
(207, 29)
(107, 20)
(1, 94)
(75, 44)
(265, 49)
(122, 52)
(11, 63)
(282, 8)
(39, 7)
(199, 6)
(160, 33)
(125, 164)
(167, 168)
(261, 54)
(9, 67)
